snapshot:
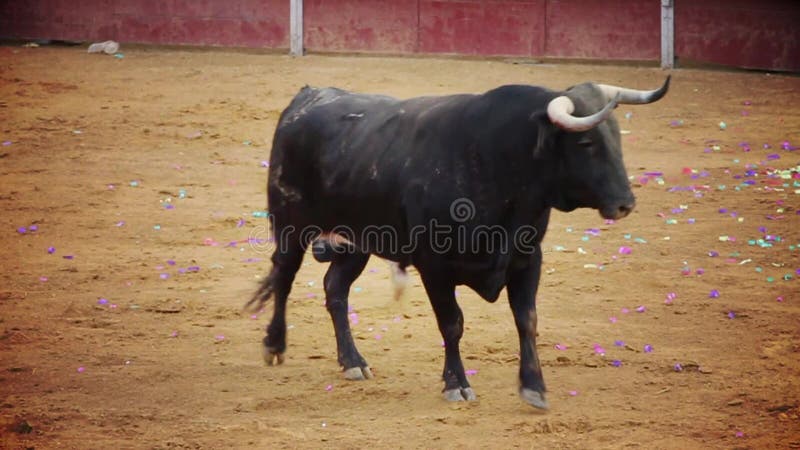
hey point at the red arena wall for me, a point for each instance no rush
(738, 33)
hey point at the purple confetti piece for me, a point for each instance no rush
(713, 254)
(120, 223)
(678, 367)
(6, 143)
(33, 227)
(51, 250)
(700, 271)
(193, 268)
(619, 343)
(22, 230)
(68, 257)
(616, 363)
(164, 276)
(102, 301)
(470, 372)
(648, 348)
(171, 262)
(169, 206)
(731, 315)
(240, 223)
(264, 163)
(713, 294)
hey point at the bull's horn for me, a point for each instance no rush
(633, 96)
(560, 112)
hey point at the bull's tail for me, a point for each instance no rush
(263, 294)
(399, 280)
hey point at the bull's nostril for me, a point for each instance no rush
(624, 210)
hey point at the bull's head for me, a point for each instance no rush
(591, 171)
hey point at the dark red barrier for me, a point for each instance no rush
(741, 33)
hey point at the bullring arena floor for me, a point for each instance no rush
(144, 173)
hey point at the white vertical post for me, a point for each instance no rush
(296, 27)
(667, 34)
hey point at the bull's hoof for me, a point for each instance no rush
(534, 398)
(460, 395)
(272, 356)
(357, 373)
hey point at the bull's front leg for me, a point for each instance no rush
(522, 285)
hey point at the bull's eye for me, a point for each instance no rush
(588, 145)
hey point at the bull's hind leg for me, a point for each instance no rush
(522, 286)
(451, 325)
(345, 267)
(285, 264)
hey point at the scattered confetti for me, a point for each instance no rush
(648, 348)
(713, 294)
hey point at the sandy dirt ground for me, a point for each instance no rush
(129, 188)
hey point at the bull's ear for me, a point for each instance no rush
(545, 130)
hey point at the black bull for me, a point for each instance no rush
(460, 187)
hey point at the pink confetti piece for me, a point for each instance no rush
(44, 279)
(163, 276)
(219, 337)
(471, 372)
(174, 334)
(625, 250)
(599, 349)
(625, 310)
(264, 163)
(120, 223)
(779, 299)
(378, 337)
(353, 318)
(739, 434)
(329, 387)
(560, 347)
(573, 393)
(81, 369)
(612, 319)
(641, 309)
